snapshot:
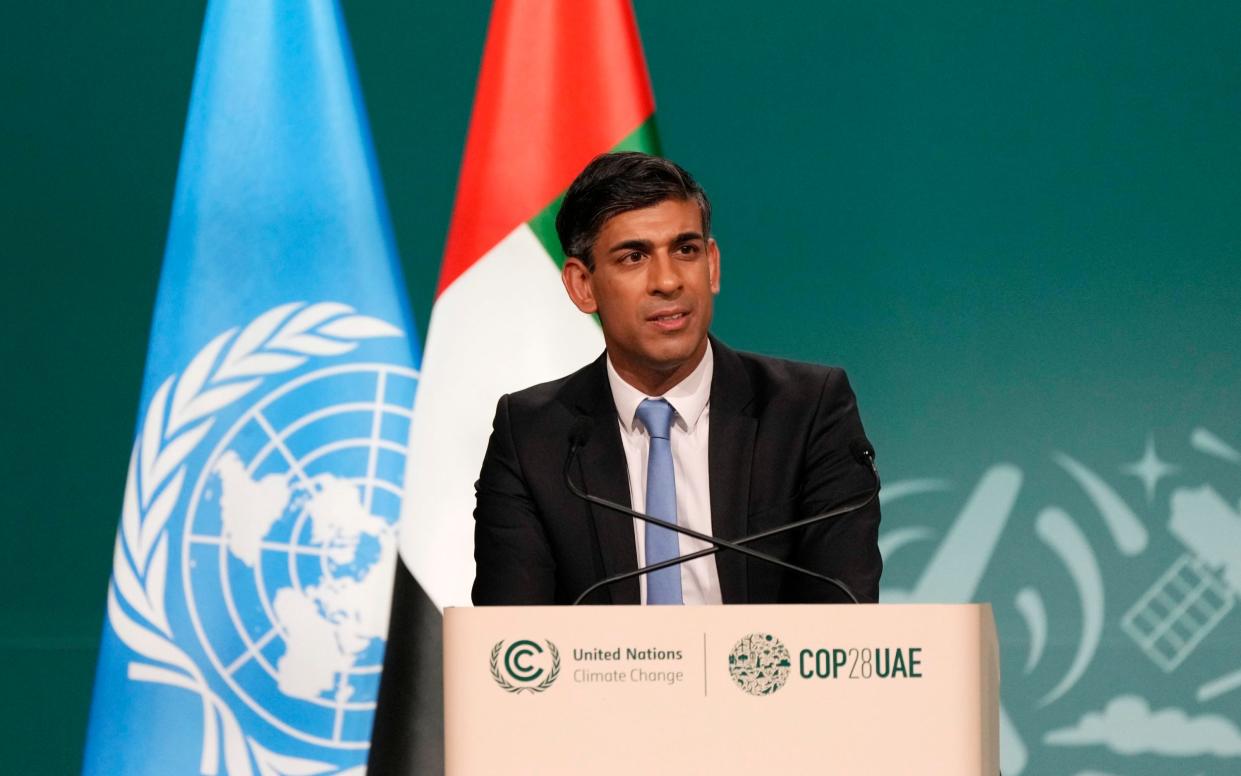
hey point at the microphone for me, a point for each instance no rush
(860, 449)
(579, 435)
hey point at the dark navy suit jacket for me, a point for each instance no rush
(778, 451)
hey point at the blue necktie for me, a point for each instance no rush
(663, 586)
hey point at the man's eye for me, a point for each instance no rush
(689, 249)
(631, 258)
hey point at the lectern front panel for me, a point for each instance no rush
(875, 689)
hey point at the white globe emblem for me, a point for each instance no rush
(292, 527)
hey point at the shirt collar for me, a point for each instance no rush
(689, 397)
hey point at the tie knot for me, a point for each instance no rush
(656, 415)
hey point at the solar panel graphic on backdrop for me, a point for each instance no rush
(1190, 599)
(1177, 612)
(249, 604)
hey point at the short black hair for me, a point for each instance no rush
(617, 183)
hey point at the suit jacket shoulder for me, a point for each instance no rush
(783, 380)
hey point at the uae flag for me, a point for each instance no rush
(561, 82)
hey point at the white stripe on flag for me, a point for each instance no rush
(505, 324)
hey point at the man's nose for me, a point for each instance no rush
(665, 276)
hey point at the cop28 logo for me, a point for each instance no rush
(759, 664)
(525, 666)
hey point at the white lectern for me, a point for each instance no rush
(872, 689)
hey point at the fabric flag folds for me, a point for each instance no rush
(560, 83)
(247, 613)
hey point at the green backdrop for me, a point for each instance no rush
(1017, 227)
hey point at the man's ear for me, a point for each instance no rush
(576, 278)
(713, 264)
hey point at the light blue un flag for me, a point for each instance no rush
(248, 607)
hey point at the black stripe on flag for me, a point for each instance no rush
(408, 736)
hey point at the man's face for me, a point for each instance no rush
(653, 285)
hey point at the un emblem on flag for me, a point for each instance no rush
(290, 542)
(277, 470)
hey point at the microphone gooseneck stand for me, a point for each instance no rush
(860, 449)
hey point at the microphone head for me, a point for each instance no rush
(579, 432)
(862, 451)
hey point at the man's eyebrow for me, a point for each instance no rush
(647, 245)
(632, 245)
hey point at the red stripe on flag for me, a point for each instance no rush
(561, 81)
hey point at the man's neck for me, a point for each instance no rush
(656, 382)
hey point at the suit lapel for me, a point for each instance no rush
(605, 473)
(730, 456)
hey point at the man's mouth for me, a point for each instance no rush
(671, 320)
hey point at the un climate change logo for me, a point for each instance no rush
(527, 663)
(759, 664)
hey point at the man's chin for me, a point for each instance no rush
(671, 354)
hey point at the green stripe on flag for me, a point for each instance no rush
(645, 138)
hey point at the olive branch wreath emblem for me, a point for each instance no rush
(508, 686)
(181, 412)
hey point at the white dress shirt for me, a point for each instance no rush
(691, 398)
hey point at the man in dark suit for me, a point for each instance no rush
(679, 426)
